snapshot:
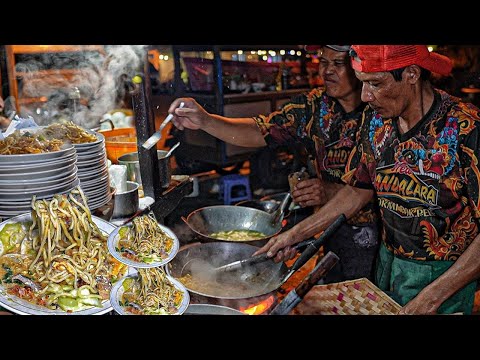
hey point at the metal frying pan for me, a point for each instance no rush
(201, 278)
(194, 266)
(211, 219)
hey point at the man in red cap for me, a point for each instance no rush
(325, 121)
(419, 150)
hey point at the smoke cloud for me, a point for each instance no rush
(78, 86)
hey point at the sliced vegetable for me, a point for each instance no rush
(10, 235)
(68, 303)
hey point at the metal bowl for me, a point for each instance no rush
(126, 203)
(130, 160)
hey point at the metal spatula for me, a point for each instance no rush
(235, 265)
(152, 140)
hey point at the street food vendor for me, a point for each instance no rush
(325, 121)
(419, 149)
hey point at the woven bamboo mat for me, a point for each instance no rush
(353, 297)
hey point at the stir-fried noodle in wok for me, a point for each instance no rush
(151, 294)
(144, 242)
(60, 259)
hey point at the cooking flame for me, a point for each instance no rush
(260, 308)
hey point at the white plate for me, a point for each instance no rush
(47, 174)
(90, 145)
(65, 151)
(112, 244)
(24, 307)
(46, 192)
(117, 292)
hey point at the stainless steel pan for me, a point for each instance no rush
(211, 219)
(194, 266)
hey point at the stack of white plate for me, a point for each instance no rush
(44, 175)
(93, 172)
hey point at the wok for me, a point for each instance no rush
(194, 266)
(211, 219)
(255, 280)
(208, 309)
(265, 205)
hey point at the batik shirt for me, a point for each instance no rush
(427, 179)
(328, 133)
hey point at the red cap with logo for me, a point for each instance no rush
(379, 58)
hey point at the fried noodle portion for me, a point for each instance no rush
(28, 143)
(145, 241)
(64, 254)
(152, 294)
(69, 132)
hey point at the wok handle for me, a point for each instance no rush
(322, 268)
(315, 245)
(295, 296)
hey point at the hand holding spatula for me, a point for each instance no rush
(152, 140)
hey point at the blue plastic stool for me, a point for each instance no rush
(228, 182)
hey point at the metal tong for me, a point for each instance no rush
(312, 246)
(278, 215)
(140, 213)
(236, 265)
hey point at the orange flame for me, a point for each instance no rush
(259, 308)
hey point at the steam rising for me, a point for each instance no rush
(80, 86)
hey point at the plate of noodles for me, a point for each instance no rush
(144, 243)
(149, 292)
(54, 260)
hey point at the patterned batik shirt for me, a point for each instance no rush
(427, 179)
(328, 133)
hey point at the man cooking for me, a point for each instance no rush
(423, 164)
(326, 122)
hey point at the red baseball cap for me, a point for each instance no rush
(378, 58)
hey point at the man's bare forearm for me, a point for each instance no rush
(236, 131)
(349, 200)
(331, 189)
(465, 270)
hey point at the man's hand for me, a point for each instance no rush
(191, 116)
(423, 304)
(310, 192)
(280, 247)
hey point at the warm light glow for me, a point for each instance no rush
(292, 52)
(240, 52)
(165, 57)
(264, 57)
(160, 57)
(299, 53)
(258, 308)
(282, 52)
(430, 48)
